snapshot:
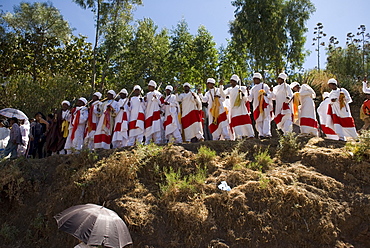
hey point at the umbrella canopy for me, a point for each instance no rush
(94, 225)
(10, 112)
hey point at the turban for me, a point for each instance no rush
(137, 87)
(83, 99)
(257, 75)
(66, 102)
(211, 80)
(325, 95)
(98, 94)
(235, 78)
(187, 84)
(332, 81)
(124, 91)
(112, 92)
(294, 84)
(169, 87)
(283, 76)
(152, 83)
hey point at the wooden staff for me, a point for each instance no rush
(128, 97)
(155, 97)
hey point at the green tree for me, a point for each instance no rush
(182, 53)
(106, 12)
(206, 56)
(232, 61)
(148, 53)
(271, 32)
(37, 29)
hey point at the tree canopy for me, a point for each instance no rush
(40, 57)
(271, 32)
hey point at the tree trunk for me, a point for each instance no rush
(95, 47)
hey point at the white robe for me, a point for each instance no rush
(120, 131)
(104, 130)
(171, 124)
(307, 114)
(94, 115)
(153, 122)
(365, 89)
(263, 121)
(341, 120)
(25, 132)
(77, 124)
(238, 116)
(325, 120)
(282, 94)
(137, 119)
(218, 128)
(191, 120)
(4, 137)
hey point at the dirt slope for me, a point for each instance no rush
(315, 196)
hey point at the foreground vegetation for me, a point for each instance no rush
(169, 195)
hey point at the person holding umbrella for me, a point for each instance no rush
(14, 140)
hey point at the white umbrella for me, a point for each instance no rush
(10, 112)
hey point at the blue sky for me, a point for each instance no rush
(339, 17)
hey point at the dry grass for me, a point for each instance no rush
(169, 197)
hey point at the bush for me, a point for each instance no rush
(262, 161)
(8, 233)
(205, 155)
(288, 147)
(235, 159)
(263, 181)
(360, 149)
(178, 186)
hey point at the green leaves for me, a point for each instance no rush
(38, 19)
(271, 32)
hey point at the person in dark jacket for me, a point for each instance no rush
(38, 131)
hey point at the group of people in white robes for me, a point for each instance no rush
(172, 117)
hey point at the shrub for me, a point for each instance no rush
(360, 149)
(235, 159)
(176, 185)
(205, 155)
(8, 233)
(263, 181)
(288, 146)
(262, 161)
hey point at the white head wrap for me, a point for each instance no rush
(186, 84)
(332, 81)
(83, 99)
(152, 83)
(124, 91)
(169, 87)
(235, 78)
(98, 94)
(66, 102)
(283, 76)
(325, 95)
(211, 80)
(112, 92)
(257, 75)
(294, 84)
(137, 87)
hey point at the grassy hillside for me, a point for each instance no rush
(285, 192)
